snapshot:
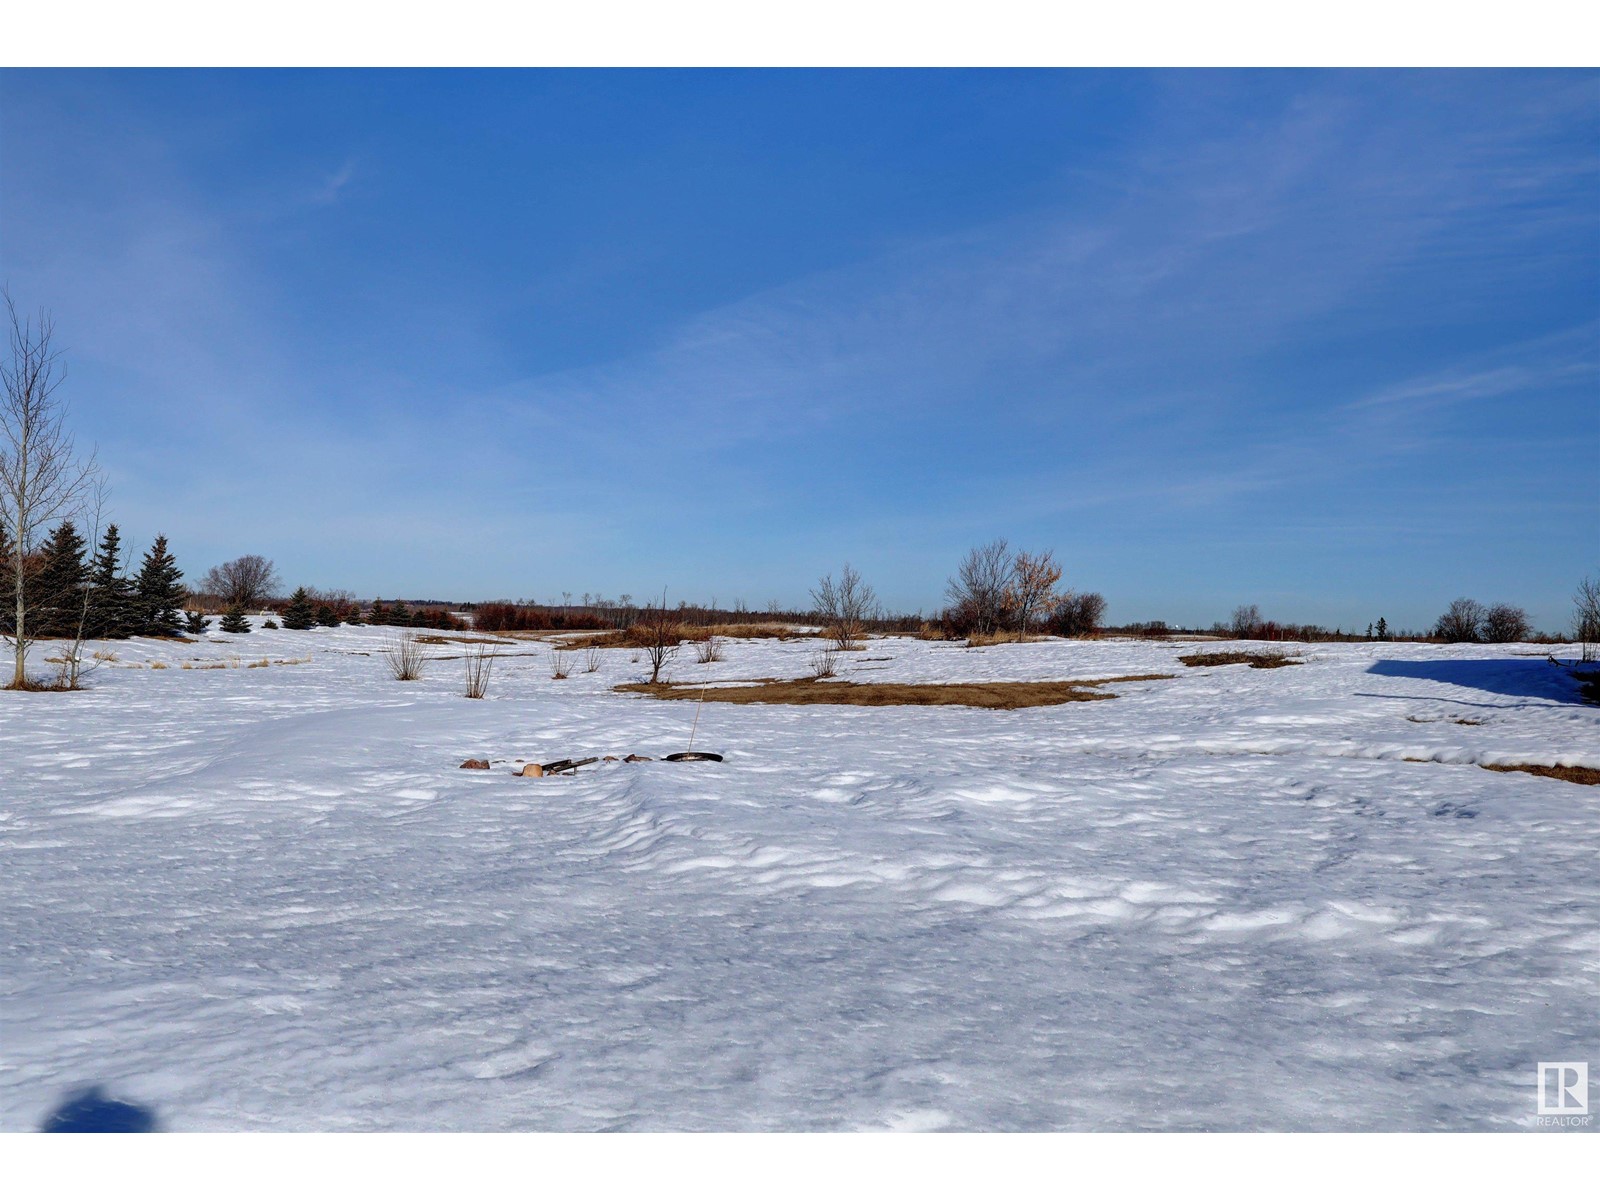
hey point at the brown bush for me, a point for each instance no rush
(501, 617)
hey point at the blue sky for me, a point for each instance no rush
(1327, 342)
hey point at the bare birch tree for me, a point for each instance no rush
(41, 476)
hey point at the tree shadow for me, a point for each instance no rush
(1523, 678)
(92, 1111)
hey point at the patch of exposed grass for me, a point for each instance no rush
(1266, 659)
(998, 638)
(58, 684)
(1567, 774)
(637, 637)
(877, 695)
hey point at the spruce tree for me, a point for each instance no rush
(233, 621)
(299, 614)
(1383, 630)
(158, 591)
(355, 616)
(56, 603)
(113, 612)
(379, 614)
(400, 614)
(195, 622)
(326, 616)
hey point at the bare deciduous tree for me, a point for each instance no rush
(246, 581)
(1462, 622)
(41, 476)
(844, 608)
(1505, 623)
(1246, 620)
(661, 636)
(1033, 587)
(982, 586)
(1078, 615)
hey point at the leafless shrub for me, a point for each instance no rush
(1078, 615)
(980, 591)
(708, 649)
(560, 663)
(844, 608)
(591, 659)
(404, 657)
(1462, 622)
(824, 662)
(1505, 623)
(480, 663)
(660, 635)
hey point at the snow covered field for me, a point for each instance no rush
(270, 899)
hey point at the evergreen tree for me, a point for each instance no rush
(1383, 630)
(326, 616)
(158, 591)
(57, 593)
(195, 622)
(379, 614)
(299, 614)
(113, 611)
(233, 621)
(400, 614)
(355, 616)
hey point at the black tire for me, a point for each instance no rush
(693, 756)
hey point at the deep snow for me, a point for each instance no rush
(269, 898)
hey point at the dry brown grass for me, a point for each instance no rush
(878, 695)
(58, 684)
(1227, 658)
(158, 665)
(439, 639)
(999, 637)
(1586, 775)
(637, 637)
